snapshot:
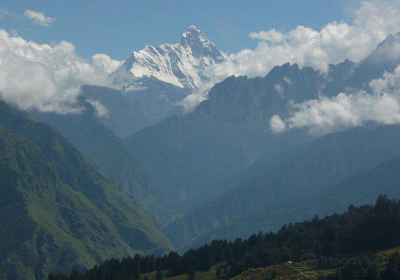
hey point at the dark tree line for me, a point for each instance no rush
(360, 229)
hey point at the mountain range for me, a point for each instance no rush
(293, 175)
(135, 173)
(313, 172)
(230, 132)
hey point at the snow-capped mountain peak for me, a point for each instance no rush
(183, 64)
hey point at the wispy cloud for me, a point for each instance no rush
(3, 13)
(39, 18)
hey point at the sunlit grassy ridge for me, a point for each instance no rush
(307, 270)
(301, 271)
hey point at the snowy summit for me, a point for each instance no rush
(183, 64)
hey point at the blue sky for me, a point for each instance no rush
(121, 26)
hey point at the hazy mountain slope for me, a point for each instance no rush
(223, 186)
(106, 150)
(125, 113)
(121, 115)
(323, 164)
(363, 187)
(133, 228)
(358, 189)
(156, 99)
(225, 134)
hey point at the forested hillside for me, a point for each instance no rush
(365, 229)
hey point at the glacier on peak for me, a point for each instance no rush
(183, 64)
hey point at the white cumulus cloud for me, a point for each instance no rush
(277, 124)
(343, 111)
(106, 63)
(44, 77)
(39, 18)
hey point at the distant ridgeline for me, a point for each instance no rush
(360, 233)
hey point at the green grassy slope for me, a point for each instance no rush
(58, 210)
(45, 223)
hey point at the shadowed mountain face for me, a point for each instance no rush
(120, 114)
(308, 173)
(58, 211)
(225, 134)
(126, 113)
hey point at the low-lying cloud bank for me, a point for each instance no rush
(47, 77)
(343, 111)
(373, 21)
